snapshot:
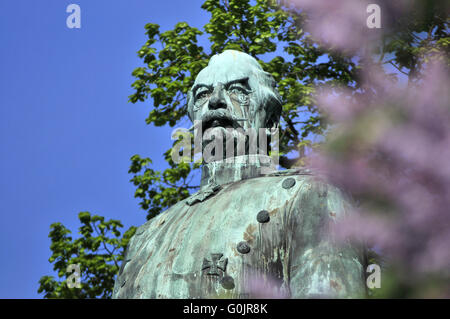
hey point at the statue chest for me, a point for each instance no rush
(217, 247)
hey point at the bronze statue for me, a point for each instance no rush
(248, 220)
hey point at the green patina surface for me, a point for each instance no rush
(211, 245)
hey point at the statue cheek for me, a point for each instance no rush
(236, 106)
(200, 109)
(240, 104)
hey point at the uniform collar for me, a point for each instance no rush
(235, 169)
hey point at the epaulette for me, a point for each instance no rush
(203, 194)
(294, 171)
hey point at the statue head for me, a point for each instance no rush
(233, 91)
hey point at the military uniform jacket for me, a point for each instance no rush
(275, 228)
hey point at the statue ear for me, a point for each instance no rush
(273, 112)
(272, 101)
(272, 124)
(190, 105)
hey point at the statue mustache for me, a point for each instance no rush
(221, 115)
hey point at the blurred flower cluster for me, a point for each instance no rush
(342, 23)
(392, 153)
(259, 286)
(389, 146)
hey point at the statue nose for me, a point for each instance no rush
(217, 100)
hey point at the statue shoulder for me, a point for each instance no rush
(307, 176)
(313, 189)
(294, 171)
(142, 232)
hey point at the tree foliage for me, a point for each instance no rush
(98, 250)
(417, 37)
(276, 37)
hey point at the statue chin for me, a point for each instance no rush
(223, 135)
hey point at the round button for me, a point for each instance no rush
(263, 216)
(243, 247)
(288, 183)
(227, 282)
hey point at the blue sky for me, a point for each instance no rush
(67, 130)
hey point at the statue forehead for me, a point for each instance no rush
(228, 66)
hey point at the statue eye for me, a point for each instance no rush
(202, 94)
(237, 90)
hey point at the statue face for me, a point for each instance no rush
(233, 94)
(233, 91)
(222, 101)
